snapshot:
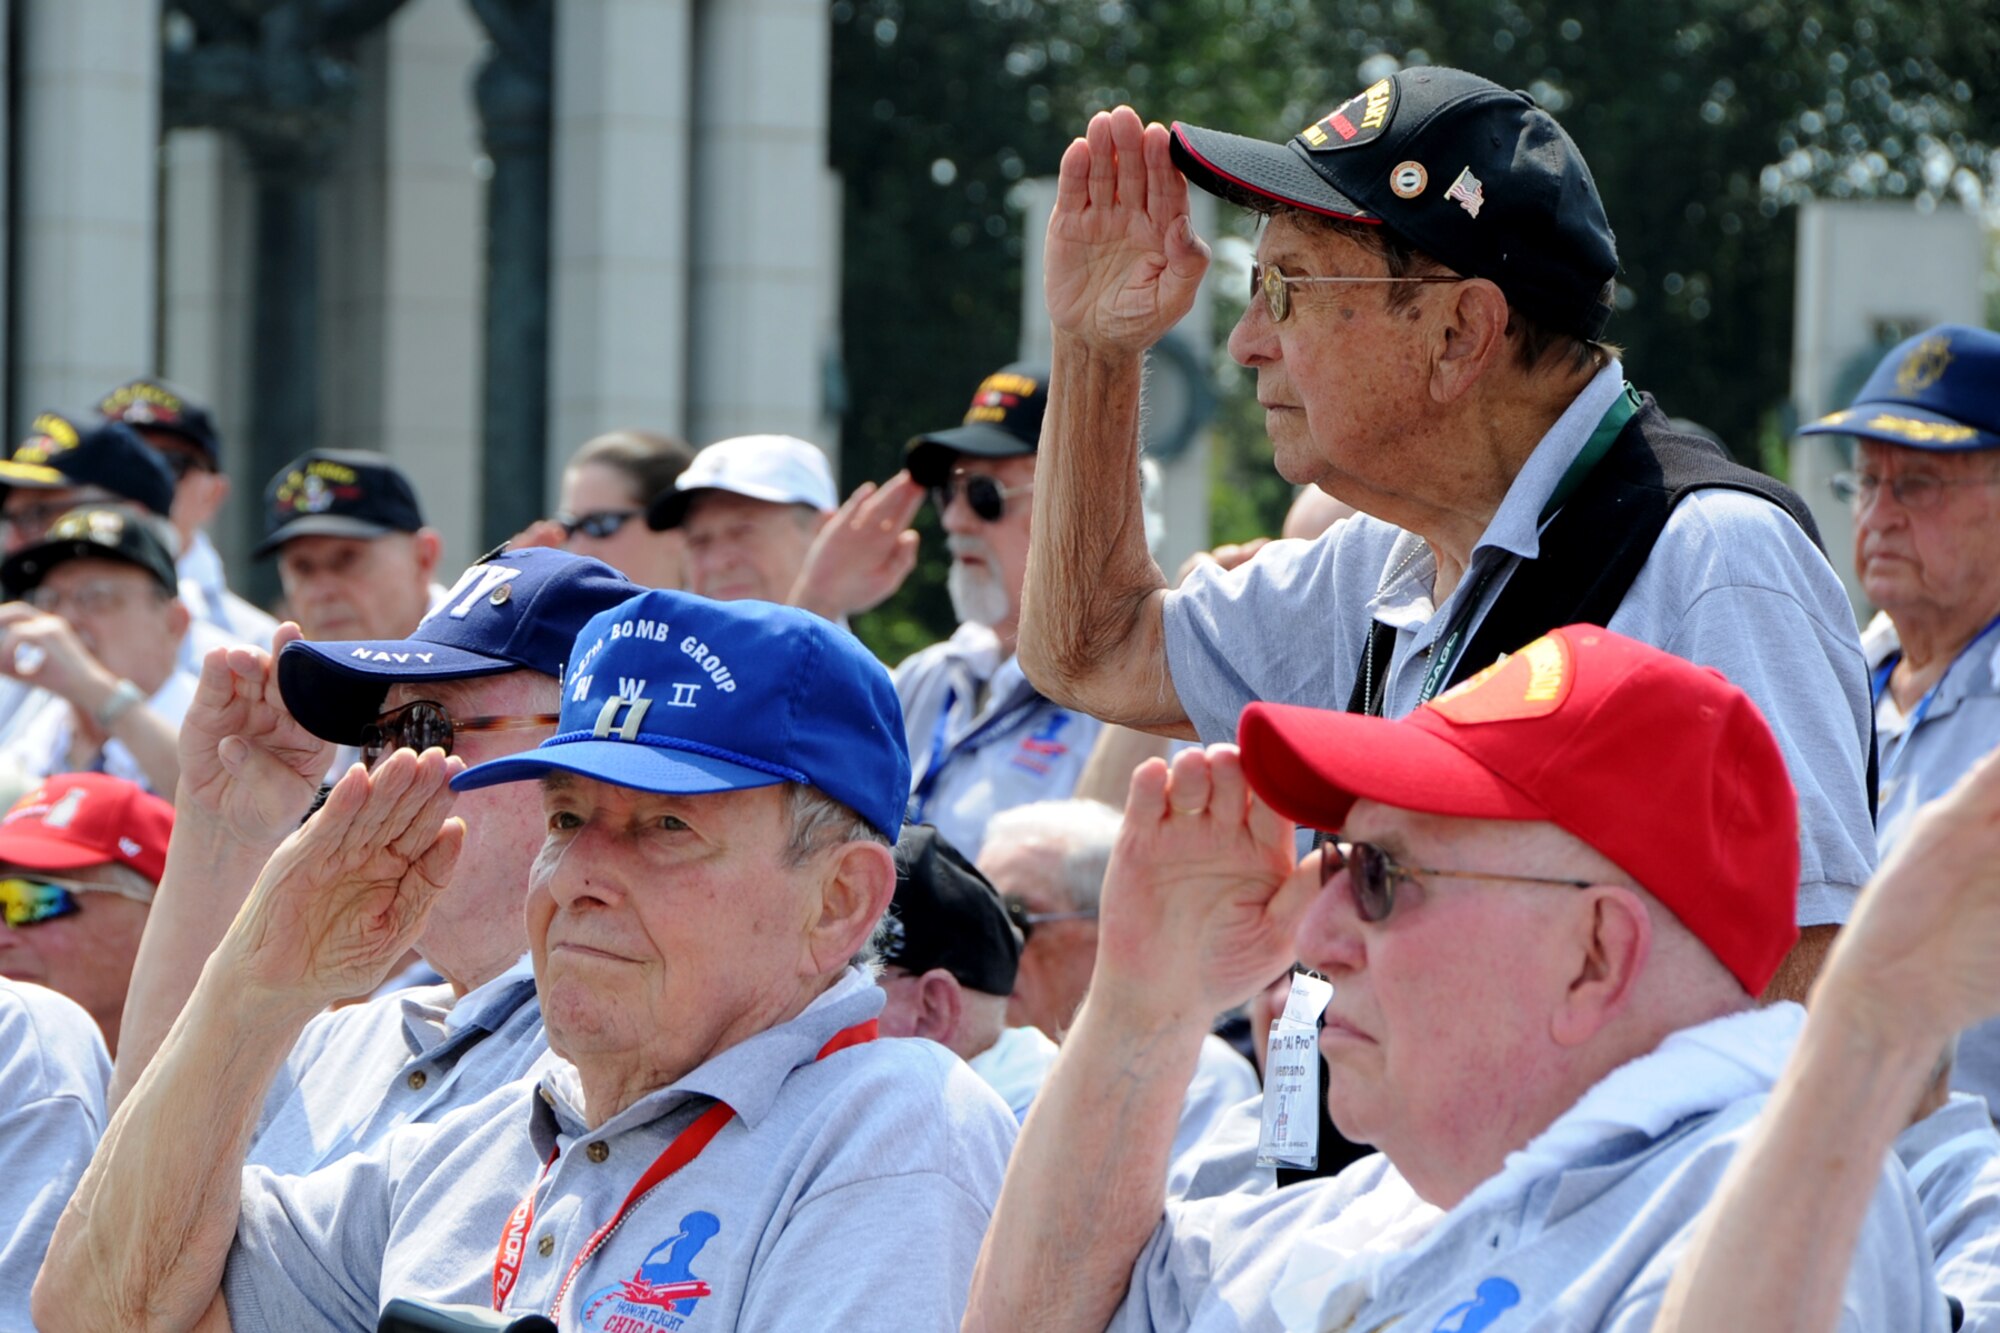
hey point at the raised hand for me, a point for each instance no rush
(1916, 958)
(347, 893)
(1202, 898)
(43, 649)
(244, 759)
(1122, 262)
(864, 552)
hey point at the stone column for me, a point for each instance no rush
(618, 263)
(87, 76)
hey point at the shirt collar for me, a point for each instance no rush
(487, 1007)
(1517, 525)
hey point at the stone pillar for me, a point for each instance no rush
(619, 248)
(763, 298)
(88, 87)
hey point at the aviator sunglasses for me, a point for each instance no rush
(1373, 874)
(1026, 921)
(425, 724)
(986, 495)
(29, 902)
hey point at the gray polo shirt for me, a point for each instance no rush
(1953, 1157)
(53, 1072)
(414, 1056)
(847, 1192)
(1732, 583)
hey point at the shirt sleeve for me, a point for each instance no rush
(308, 1250)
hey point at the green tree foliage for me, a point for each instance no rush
(1704, 122)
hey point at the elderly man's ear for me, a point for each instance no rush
(1612, 936)
(940, 1002)
(1468, 340)
(860, 879)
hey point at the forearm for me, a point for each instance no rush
(153, 743)
(144, 1240)
(1090, 634)
(209, 873)
(1773, 1248)
(1086, 1186)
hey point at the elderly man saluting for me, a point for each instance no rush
(1541, 1013)
(722, 1143)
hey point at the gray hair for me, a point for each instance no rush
(1084, 831)
(819, 822)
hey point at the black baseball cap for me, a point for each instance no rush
(154, 404)
(946, 914)
(58, 454)
(337, 493)
(1474, 175)
(1004, 421)
(90, 532)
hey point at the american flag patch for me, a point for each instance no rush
(1467, 190)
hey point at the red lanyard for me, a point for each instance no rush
(686, 1146)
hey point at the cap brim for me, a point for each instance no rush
(23, 571)
(1905, 424)
(24, 849)
(320, 525)
(34, 477)
(1312, 765)
(1255, 174)
(928, 457)
(622, 764)
(334, 692)
(669, 508)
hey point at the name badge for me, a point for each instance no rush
(1290, 1134)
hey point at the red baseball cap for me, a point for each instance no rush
(1663, 766)
(75, 820)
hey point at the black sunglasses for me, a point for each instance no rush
(1372, 875)
(599, 523)
(425, 725)
(985, 494)
(1026, 921)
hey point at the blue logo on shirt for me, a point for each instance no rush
(1495, 1296)
(664, 1292)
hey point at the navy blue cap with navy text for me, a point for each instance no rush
(677, 694)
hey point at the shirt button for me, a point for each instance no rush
(546, 1246)
(598, 1151)
(417, 1080)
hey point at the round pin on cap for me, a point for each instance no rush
(1408, 180)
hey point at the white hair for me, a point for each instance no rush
(817, 821)
(1084, 831)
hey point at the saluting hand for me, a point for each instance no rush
(864, 552)
(245, 760)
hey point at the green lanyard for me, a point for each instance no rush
(1593, 451)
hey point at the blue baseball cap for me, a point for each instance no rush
(517, 610)
(674, 693)
(1939, 390)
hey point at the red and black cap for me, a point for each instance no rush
(1473, 174)
(1004, 421)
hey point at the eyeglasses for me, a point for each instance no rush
(1915, 491)
(599, 523)
(1026, 921)
(1372, 874)
(1276, 286)
(98, 598)
(985, 494)
(425, 725)
(29, 902)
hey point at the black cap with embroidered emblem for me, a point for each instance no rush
(60, 455)
(337, 493)
(1004, 421)
(155, 405)
(92, 532)
(1476, 176)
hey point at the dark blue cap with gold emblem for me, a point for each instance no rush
(59, 455)
(337, 493)
(1004, 421)
(1939, 390)
(1478, 177)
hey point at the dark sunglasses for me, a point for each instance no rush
(600, 523)
(986, 495)
(29, 902)
(425, 725)
(1372, 875)
(1026, 921)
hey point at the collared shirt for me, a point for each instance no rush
(970, 759)
(37, 739)
(1953, 1157)
(1585, 1239)
(849, 1192)
(1732, 583)
(412, 1057)
(218, 618)
(53, 1073)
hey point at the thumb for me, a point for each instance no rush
(1187, 253)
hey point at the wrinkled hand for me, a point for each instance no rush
(43, 650)
(1202, 898)
(245, 760)
(345, 895)
(1917, 957)
(864, 552)
(1226, 556)
(1122, 262)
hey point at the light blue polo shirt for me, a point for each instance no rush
(1953, 1157)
